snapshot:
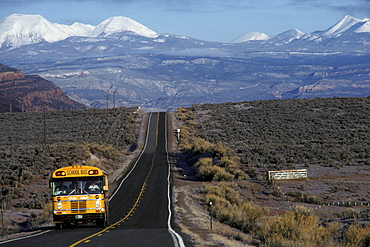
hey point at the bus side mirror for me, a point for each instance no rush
(105, 183)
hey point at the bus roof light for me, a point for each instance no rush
(93, 172)
(60, 173)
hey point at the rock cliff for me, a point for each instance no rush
(22, 93)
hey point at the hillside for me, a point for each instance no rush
(97, 137)
(327, 137)
(282, 133)
(23, 93)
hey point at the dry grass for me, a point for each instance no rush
(194, 220)
(282, 226)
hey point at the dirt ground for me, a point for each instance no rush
(193, 217)
(327, 193)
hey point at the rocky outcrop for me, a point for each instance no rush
(331, 84)
(9, 74)
(21, 93)
(345, 72)
(331, 87)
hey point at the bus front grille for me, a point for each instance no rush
(78, 207)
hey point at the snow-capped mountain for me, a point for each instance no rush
(164, 71)
(287, 36)
(122, 24)
(348, 24)
(17, 29)
(343, 30)
(251, 36)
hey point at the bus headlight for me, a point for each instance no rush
(59, 205)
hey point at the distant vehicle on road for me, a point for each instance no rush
(80, 196)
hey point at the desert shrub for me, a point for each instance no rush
(201, 146)
(303, 210)
(356, 236)
(277, 192)
(204, 162)
(184, 114)
(349, 213)
(103, 150)
(227, 162)
(285, 132)
(229, 208)
(16, 193)
(246, 216)
(27, 177)
(221, 150)
(294, 229)
(365, 213)
(46, 213)
(93, 162)
(231, 165)
(185, 138)
(224, 164)
(306, 197)
(209, 172)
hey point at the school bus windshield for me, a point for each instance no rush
(77, 186)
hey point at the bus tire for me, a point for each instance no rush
(102, 223)
(106, 219)
(58, 226)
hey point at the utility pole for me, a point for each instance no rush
(44, 105)
(107, 96)
(114, 98)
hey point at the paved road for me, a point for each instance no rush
(139, 209)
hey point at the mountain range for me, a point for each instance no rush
(139, 67)
(17, 30)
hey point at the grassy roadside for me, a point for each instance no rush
(215, 162)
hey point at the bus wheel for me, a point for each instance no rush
(102, 223)
(58, 226)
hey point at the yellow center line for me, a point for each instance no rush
(134, 206)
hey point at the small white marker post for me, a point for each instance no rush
(178, 134)
(210, 219)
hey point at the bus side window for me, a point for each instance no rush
(59, 189)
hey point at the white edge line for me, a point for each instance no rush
(137, 160)
(29, 236)
(174, 234)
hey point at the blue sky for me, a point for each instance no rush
(211, 20)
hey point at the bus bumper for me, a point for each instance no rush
(80, 218)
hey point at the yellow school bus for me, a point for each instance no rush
(80, 196)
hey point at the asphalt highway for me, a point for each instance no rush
(139, 210)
